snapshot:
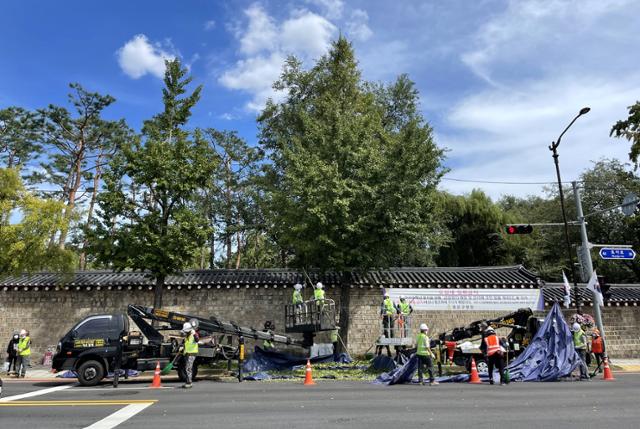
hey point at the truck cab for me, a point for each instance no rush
(90, 346)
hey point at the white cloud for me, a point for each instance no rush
(264, 46)
(357, 26)
(307, 34)
(261, 33)
(209, 25)
(332, 9)
(537, 82)
(138, 57)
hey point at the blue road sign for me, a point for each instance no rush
(617, 253)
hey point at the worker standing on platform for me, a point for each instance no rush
(297, 295)
(494, 353)
(580, 344)
(404, 313)
(298, 302)
(190, 350)
(387, 310)
(425, 355)
(318, 292)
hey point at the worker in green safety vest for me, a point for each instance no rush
(580, 344)
(190, 351)
(269, 327)
(297, 294)
(425, 355)
(387, 310)
(318, 296)
(334, 341)
(318, 292)
(24, 353)
(404, 310)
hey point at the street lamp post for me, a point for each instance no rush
(554, 148)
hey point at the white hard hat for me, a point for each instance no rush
(424, 327)
(575, 327)
(386, 294)
(489, 329)
(187, 327)
(297, 286)
(319, 285)
(401, 296)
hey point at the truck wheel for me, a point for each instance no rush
(482, 367)
(90, 373)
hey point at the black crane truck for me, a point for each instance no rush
(523, 325)
(102, 343)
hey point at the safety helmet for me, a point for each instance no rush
(297, 286)
(187, 327)
(401, 297)
(490, 330)
(575, 327)
(319, 285)
(424, 327)
(386, 294)
(23, 332)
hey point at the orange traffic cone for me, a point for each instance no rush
(156, 377)
(308, 378)
(474, 378)
(608, 376)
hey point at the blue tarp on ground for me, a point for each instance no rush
(72, 374)
(551, 354)
(268, 360)
(549, 357)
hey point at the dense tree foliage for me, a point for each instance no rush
(26, 225)
(630, 129)
(147, 217)
(353, 172)
(344, 175)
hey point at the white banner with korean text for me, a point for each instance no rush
(467, 299)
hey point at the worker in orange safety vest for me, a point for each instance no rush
(494, 354)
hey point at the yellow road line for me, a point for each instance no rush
(72, 403)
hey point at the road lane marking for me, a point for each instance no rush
(119, 416)
(35, 393)
(110, 389)
(75, 403)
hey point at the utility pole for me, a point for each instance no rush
(586, 246)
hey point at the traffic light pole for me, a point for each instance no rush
(587, 255)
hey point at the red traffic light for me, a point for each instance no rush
(519, 229)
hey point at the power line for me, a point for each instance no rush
(496, 182)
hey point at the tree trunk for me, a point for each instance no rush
(238, 250)
(345, 300)
(212, 246)
(94, 195)
(157, 292)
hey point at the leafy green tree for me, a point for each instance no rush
(147, 217)
(230, 195)
(78, 147)
(476, 225)
(19, 137)
(605, 185)
(630, 130)
(354, 168)
(24, 243)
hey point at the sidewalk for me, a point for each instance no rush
(626, 365)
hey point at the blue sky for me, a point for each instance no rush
(499, 79)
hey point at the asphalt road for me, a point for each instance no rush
(595, 404)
